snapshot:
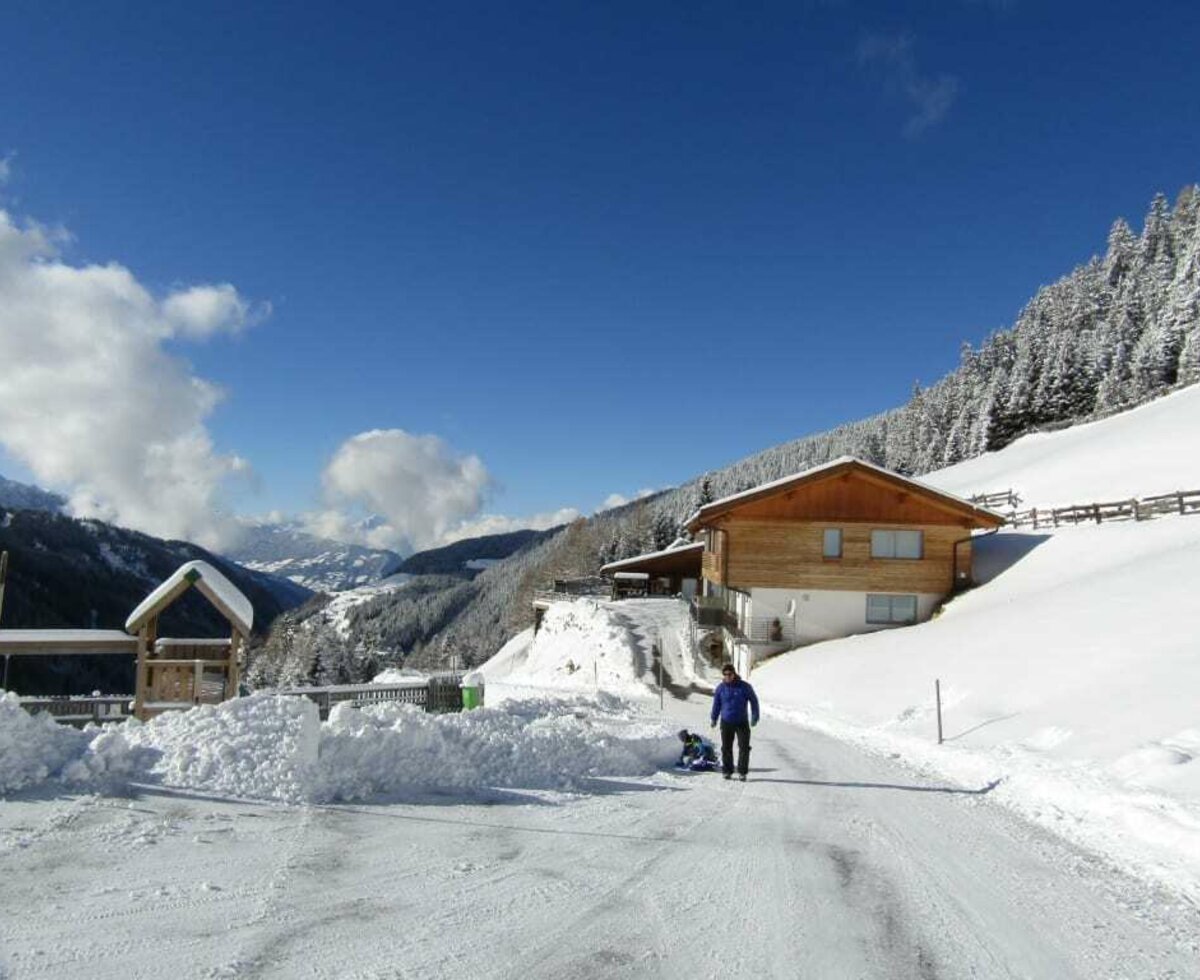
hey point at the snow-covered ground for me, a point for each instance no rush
(1054, 834)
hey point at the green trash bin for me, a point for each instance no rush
(472, 691)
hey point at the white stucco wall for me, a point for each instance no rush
(827, 614)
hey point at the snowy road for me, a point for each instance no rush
(827, 864)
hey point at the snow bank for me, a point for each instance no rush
(257, 747)
(584, 645)
(275, 748)
(33, 748)
(546, 743)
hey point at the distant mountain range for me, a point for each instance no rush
(22, 496)
(316, 563)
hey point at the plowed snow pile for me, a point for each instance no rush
(276, 748)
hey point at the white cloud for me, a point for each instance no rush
(90, 401)
(417, 485)
(202, 311)
(391, 489)
(620, 500)
(499, 524)
(930, 98)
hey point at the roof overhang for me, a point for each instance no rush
(980, 516)
(663, 561)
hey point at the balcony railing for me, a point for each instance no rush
(765, 629)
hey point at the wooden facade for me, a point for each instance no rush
(773, 537)
(777, 555)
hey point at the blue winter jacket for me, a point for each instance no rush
(730, 700)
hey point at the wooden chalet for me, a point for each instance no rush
(843, 548)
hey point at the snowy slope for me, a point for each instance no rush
(1149, 450)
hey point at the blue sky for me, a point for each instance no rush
(600, 247)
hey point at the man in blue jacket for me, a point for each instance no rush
(730, 702)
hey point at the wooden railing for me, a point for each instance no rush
(437, 693)
(1136, 509)
(72, 710)
(1001, 498)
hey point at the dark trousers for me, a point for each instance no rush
(728, 730)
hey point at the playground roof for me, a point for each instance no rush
(214, 586)
(66, 641)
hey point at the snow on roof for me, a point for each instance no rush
(636, 559)
(637, 576)
(215, 587)
(766, 488)
(66, 641)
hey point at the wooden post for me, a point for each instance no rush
(1179, 499)
(1096, 512)
(937, 691)
(197, 680)
(139, 696)
(232, 674)
(1137, 513)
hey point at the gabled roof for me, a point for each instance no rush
(843, 463)
(214, 586)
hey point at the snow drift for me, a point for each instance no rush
(276, 748)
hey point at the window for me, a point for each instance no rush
(897, 544)
(833, 543)
(891, 608)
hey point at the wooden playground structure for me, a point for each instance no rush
(172, 674)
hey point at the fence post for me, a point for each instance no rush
(1179, 500)
(937, 690)
(1034, 512)
(1096, 512)
(1137, 512)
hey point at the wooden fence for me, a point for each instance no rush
(1135, 509)
(993, 501)
(437, 693)
(73, 710)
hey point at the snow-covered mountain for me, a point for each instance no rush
(320, 564)
(23, 496)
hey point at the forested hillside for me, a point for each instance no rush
(1119, 330)
(71, 573)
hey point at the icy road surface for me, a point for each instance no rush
(828, 864)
